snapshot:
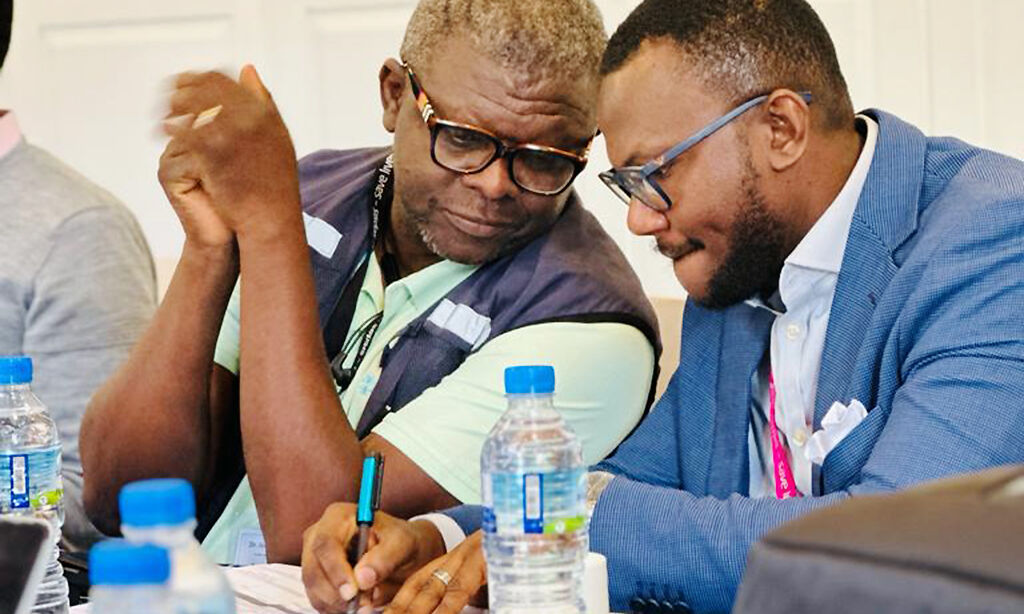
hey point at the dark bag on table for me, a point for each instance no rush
(949, 547)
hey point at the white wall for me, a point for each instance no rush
(86, 79)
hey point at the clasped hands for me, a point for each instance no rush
(229, 169)
(405, 567)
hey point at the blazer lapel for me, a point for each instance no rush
(867, 270)
(885, 217)
(744, 341)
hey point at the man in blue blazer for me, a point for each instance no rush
(855, 299)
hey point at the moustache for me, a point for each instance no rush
(676, 252)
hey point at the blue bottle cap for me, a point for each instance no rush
(15, 370)
(119, 563)
(162, 502)
(530, 380)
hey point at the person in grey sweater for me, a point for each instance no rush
(77, 287)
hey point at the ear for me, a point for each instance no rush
(789, 125)
(392, 89)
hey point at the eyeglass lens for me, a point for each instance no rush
(468, 151)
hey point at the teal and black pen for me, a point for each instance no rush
(369, 502)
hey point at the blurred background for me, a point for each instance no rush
(87, 81)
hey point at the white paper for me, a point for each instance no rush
(269, 588)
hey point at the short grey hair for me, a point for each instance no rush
(541, 37)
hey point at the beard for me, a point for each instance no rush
(466, 251)
(756, 252)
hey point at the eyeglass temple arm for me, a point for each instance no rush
(426, 109)
(710, 129)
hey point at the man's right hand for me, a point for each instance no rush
(398, 548)
(466, 571)
(179, 175)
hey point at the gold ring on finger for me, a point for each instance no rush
(442, 576)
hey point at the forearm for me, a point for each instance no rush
(301, 453)
(152, 417)
(693, 547)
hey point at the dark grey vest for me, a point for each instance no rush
(575, 273)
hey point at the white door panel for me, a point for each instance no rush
(325, 76)
(88, 79)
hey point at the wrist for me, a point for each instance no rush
(597, 481)
(272, 224)
(211, 257)
(429, 541)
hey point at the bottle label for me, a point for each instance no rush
(534, 503)
(31, 480)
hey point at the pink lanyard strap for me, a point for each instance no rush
(785, 485)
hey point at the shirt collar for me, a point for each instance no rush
(430, 284)
(10, 134)
(822, 247)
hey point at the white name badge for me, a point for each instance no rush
(251, 548)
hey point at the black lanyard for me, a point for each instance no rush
(381, 193)
(364, 336)
(336, 329)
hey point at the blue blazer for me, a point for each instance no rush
(926, 330)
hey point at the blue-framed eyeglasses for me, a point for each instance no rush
(639, 182)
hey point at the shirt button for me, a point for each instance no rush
(792, 331)
(800, 437)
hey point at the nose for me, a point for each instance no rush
(643, 221)
(494, 182)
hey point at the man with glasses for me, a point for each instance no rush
(853, 323)
(436, 263)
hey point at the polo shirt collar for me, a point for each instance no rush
(10, 133)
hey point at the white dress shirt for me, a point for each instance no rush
(807, 286)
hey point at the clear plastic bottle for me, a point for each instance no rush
(163, 512)
(30, 463)
(128, 578)
(532, 473)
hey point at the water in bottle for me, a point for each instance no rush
(163, 512)
(30, 462)
(129, 578)
(532, 473)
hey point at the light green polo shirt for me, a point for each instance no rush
(602, 370)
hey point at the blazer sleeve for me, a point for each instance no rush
(468, 517)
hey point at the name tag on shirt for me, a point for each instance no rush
(251, 548)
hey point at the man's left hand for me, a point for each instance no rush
(244, 158)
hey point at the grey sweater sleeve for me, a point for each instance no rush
(91, 297)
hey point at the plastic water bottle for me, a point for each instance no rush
(30, 461)
(535, 534)
(163, 512)
(128, 578)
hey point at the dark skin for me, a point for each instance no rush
(475, 218)
(801, 167)
(397, 569)
(233, 184)
(261, 234)
(642, 113)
